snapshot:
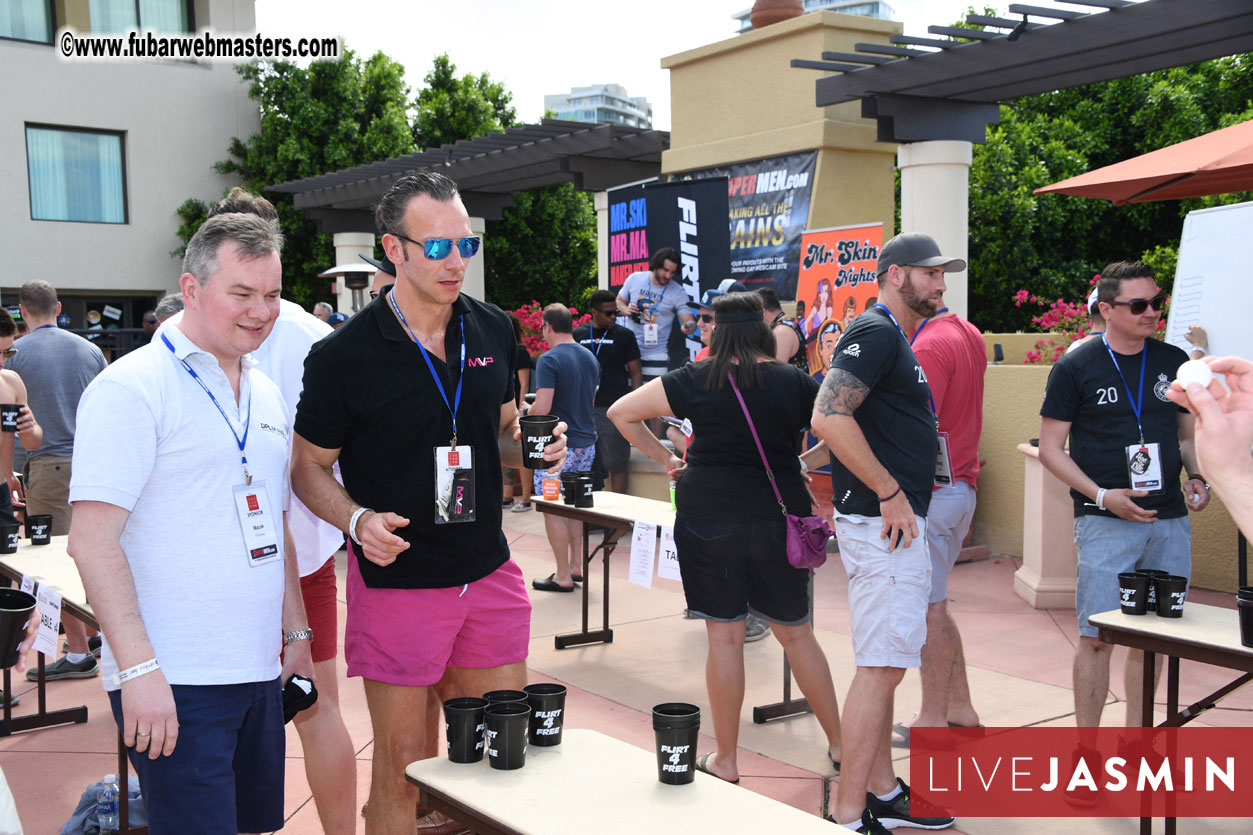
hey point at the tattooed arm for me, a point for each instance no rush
(841, 395)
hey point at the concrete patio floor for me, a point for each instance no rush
(1019, 667)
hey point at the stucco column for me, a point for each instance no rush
(348, 245)
(935, 192)
(600, 202)
(475, 284)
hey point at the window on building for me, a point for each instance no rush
(158, 15)
(75, 175)
(27, 20)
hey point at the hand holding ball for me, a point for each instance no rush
(1194, 371)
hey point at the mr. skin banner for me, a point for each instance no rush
(837, 282)
(767, 209)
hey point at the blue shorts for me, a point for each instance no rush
(578, 460)
(226, 773)
(1108, 547)
(732, 568)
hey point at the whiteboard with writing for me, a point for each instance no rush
(1214, 280)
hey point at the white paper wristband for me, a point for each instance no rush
(136, 671)
(1100, 498)
(352, 523)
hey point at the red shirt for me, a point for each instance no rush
(954, 358)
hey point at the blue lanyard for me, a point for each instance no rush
(934, 412)
(591, 331)
(41, 327)
(1136, 402)
(243, 459)
(439, 384)
(923, 324)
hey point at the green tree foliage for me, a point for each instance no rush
(316, 119)
(543, 249)
(1052, 244)
(451, 108)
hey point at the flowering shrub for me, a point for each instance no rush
(532, 318)
(1065, 322)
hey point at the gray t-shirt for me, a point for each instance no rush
(56, 367)
(663, 303)
(573, 373)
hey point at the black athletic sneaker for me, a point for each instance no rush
(869, 824)
(894, 813)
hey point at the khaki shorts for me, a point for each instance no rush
(48, 491)
(887, 592)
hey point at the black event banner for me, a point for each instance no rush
(687, 216)
(768, 210)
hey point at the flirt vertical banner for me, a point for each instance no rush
(767, 212)
(628, 234)
(836, 282)
(690, 216)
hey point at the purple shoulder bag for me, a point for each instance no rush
(806, 535)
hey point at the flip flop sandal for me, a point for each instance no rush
(700, 766)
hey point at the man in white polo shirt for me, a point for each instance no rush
(178, 531)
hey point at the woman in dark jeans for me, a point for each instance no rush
(729, 529)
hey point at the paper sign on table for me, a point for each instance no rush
(28, 584)
(668, 560)
(643, 553)
(49, 621)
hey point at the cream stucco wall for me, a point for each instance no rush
(738, 100)
(177, 118)
(1011, 416)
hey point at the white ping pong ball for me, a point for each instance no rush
(1194, 371)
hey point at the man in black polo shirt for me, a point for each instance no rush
(1127, 445)
(414, 397)
(619, 356)
(874, 411)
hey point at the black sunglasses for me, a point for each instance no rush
(1138, 306)
(706, 318)
(609, 311)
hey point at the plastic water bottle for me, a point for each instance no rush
(107, 805)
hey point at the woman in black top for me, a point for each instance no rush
(729, 529)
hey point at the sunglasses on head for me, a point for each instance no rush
(437, 249)
(706, 318)
(1138, 306)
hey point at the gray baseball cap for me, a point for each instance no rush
(913, 249)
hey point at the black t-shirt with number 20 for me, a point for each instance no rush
(895, 416)
(1085, 390)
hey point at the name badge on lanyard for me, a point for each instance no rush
(943, 470)
(256, 523)
(454, 485)
(1144, 460)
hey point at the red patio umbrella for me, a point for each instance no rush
(1216, 163)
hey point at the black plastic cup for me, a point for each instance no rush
(548, 709)
(39, 529)
(1172, 591)
(498, 696)
(463, 726)
(676, 726)
(537, 433)
(1246, 621)
(507, 724)
(583, 490)
(570, 487)
(10, 538)
(1133, 592)
(9, 413)
(1244, 593)
(17, 607)
(1151, 573)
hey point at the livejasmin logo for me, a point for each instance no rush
(677, 755)
(1088, 772)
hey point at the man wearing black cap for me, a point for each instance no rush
(384, 275)
(874, 411)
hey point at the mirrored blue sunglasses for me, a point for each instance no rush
(437, 249)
